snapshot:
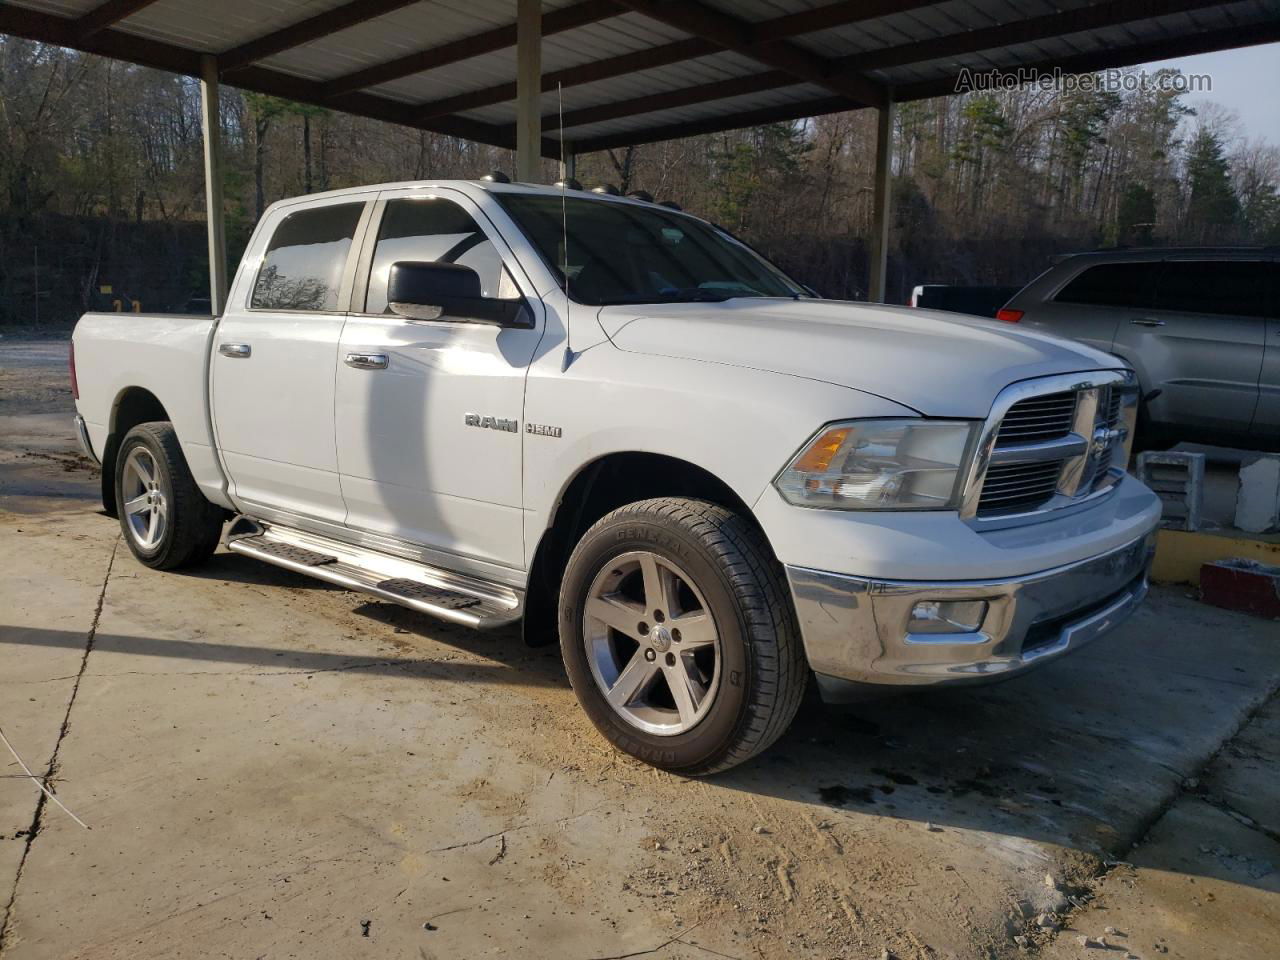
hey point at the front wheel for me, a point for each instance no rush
(678, 635)
(166, 520)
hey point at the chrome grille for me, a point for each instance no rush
(1115, 396)
(1050, 449)
(1101, 469)
(1019, 486)
(1039, 418)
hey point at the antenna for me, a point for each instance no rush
(564, 237)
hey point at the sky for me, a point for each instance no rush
(1246, 81)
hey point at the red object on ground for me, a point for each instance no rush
(1244, 585)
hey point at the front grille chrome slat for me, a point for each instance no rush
(1033, 408)
(1019, 484)
(1028, 417)
(1026, 501)
(1022, 472)
(1038, 418)
(1019, 492)
(1053, 448)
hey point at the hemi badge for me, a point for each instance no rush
(542, 430)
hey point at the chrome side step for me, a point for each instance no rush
(450, 596)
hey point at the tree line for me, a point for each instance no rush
(102, 191)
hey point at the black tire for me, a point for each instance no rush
(1148, 435)
(763, 673)
(192, 525)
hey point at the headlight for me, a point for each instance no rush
(881, 465)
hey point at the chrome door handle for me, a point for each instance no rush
(238, 350)
(367, 361)
(1146, 322)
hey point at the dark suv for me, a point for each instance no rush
(1200, 326)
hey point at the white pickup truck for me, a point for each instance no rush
(492, 401)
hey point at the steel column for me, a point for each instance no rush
(528, 90)
(568, 162)
(880, 215)
(211, 125)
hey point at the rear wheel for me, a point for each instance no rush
(166, 520)
(678, 635)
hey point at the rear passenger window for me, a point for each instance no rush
(1113, 285)
(302, 268)
(432, 229)
(1236, 288)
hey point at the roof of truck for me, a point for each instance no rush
(487, 186)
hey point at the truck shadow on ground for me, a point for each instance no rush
(407, 628)
(258, 659)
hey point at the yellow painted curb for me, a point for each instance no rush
(1180, 554)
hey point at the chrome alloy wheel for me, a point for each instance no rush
(145, 504)
(652, 643)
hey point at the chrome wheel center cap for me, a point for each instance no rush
(661, 639)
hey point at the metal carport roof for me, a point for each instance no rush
(632, 71)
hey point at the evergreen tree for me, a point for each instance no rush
(1136, 215)
(1212, 208)
(750, 163)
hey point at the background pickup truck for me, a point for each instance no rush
(490, 401)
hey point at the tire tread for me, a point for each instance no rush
(195, 523)
(757, 581)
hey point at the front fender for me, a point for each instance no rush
(739, 425)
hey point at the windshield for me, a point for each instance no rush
(625, 253)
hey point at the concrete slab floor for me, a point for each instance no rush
(248, 744)
(1205, 883)
(11, 851)
(36, 687)
(275, 768)
(1243, 777)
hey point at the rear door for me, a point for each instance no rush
(275, 353)
(1201, 343)
(1091, 306)
(429, 431)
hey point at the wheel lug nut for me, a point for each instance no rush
(659, 615)
(644, 629)
(650, 655)
(671, 659)
(675, 635)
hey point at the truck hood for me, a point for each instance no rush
(940, 364)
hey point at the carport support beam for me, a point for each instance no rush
(211, 125)
(880, 215)
(528, 90)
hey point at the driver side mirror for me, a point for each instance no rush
(447, 291)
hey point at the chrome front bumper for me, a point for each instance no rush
(856, 630)
(82, 437)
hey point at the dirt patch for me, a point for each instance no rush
(69, 462)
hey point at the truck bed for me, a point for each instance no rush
(121, 357)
